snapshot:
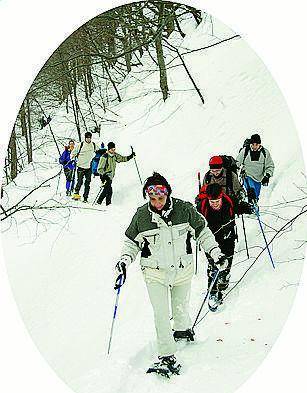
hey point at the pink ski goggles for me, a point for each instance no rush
(156, 190)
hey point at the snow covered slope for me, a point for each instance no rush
(60, 262)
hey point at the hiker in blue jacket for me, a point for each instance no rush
(68, 165)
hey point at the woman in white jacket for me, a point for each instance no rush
(162, 230)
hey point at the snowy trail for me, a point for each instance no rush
(61, 269)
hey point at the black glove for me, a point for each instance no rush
(265, 180)
(131, 156)
(245, 208)
(121, 270)
(222, 262)
(65, 162)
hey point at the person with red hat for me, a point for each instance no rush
(219, 211)
(226, 178)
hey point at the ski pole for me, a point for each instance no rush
(207, 294)
(136, 165)
(72, 184)
(115, 312)
(261, 227)
(196, 256)
(199, 184)
(98, 195)
(243, 223)
(196, 245)
(57, 189)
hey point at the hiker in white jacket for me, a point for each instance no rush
(83, 153)
(161, 230)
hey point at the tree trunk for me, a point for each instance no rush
(105, 66)
(160, 56)
(29, 135)
(12, 154)
(78, 109)
(77, 123)
(23, 122)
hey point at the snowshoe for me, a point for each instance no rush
(76, 197)
(215, 300)
(187, 335)
(166, 366)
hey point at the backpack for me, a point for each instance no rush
(95, 161)
(245, 146)
(230, 165)
(246, 143)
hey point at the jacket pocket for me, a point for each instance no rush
(150, 245)
(185, 260)
(149, 262)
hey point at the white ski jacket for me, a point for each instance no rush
(84, 154)
(165, 241)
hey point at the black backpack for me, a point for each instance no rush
(230, 165)
(245, 146)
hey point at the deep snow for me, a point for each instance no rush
(61, 270)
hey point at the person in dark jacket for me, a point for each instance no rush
(219, 211)
(69, 166)
(225, 177)
(106, 169)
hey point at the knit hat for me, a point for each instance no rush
(214, 191)
(255, 138)
(216, 162)
(88, 135)
(111, 145)
(156, 179)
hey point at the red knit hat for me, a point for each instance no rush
(216, 162)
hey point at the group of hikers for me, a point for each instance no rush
(161, 231)
(86, 161)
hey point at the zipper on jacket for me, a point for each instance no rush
(171, 225)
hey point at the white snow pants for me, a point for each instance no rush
(161, 296)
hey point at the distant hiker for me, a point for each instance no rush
(106, 169)
(257, 167)
(83, 153)
(95, 160)
(68, 165)
(48, 119)
(225, 177)
(162, 230)
(219, 211)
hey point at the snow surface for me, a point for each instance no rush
(61, 268)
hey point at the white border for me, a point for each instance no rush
(29, 32)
